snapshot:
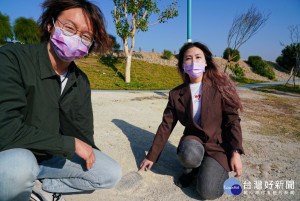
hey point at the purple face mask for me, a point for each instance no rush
(68, 48)
(194, 69)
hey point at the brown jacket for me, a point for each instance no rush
(219, 131)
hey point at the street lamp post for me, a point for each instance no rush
(189, 21)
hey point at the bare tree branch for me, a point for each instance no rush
(245, 26)
(158, 21)
(124, 4)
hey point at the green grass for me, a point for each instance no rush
(284, 88)
(243, 80)
(108, 74)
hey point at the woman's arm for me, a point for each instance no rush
(144, 164)
(232, 126)
(162, 135)
(236, 164)
(234, 137)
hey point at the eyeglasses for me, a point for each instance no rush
(70, 30)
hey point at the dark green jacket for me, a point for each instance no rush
(33, 113)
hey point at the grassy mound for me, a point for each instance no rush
(107, 73)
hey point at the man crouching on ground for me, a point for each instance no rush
(46, 120)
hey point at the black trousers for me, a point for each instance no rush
(211, 175)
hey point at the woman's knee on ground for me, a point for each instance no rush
(190, 153)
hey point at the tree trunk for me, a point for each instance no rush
(228, 64)
(228, 61)
(128, 60)
(225, 68)
(127, 69)
(128, 53)
(291, 74)
(294, 77)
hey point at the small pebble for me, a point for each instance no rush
(264, 175)
(265, 166)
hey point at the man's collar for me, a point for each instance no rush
(46, 68)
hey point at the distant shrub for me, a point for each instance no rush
(261, 67)
(167, 54)
(269, 72)
(254, 59)
(279, 60)
(237, 70)
(235, 54)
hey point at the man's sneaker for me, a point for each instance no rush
(35, 197)
(38, 194)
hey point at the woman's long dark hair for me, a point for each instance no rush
(219, 80)
(53, 8)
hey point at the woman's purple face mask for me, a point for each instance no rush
(194, 70)
(194, 62)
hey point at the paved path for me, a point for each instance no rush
(247, 86)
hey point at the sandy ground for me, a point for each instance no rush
(125, 125)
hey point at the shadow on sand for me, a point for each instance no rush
(168, 164)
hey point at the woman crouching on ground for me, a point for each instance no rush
(206, 104)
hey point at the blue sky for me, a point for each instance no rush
(211, 21)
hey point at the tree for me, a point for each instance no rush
(243, 27)
(287, 60)
(131, 16)
(5, 29)
(26, 30)
(115, 44)
(290, 55)
(235, 54)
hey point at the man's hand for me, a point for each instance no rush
(144, 164)
(86, 152)
(236, 164)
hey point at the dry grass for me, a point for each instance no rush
(277, 115)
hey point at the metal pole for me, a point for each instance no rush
(189, 21)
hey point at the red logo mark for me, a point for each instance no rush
(198, 96)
